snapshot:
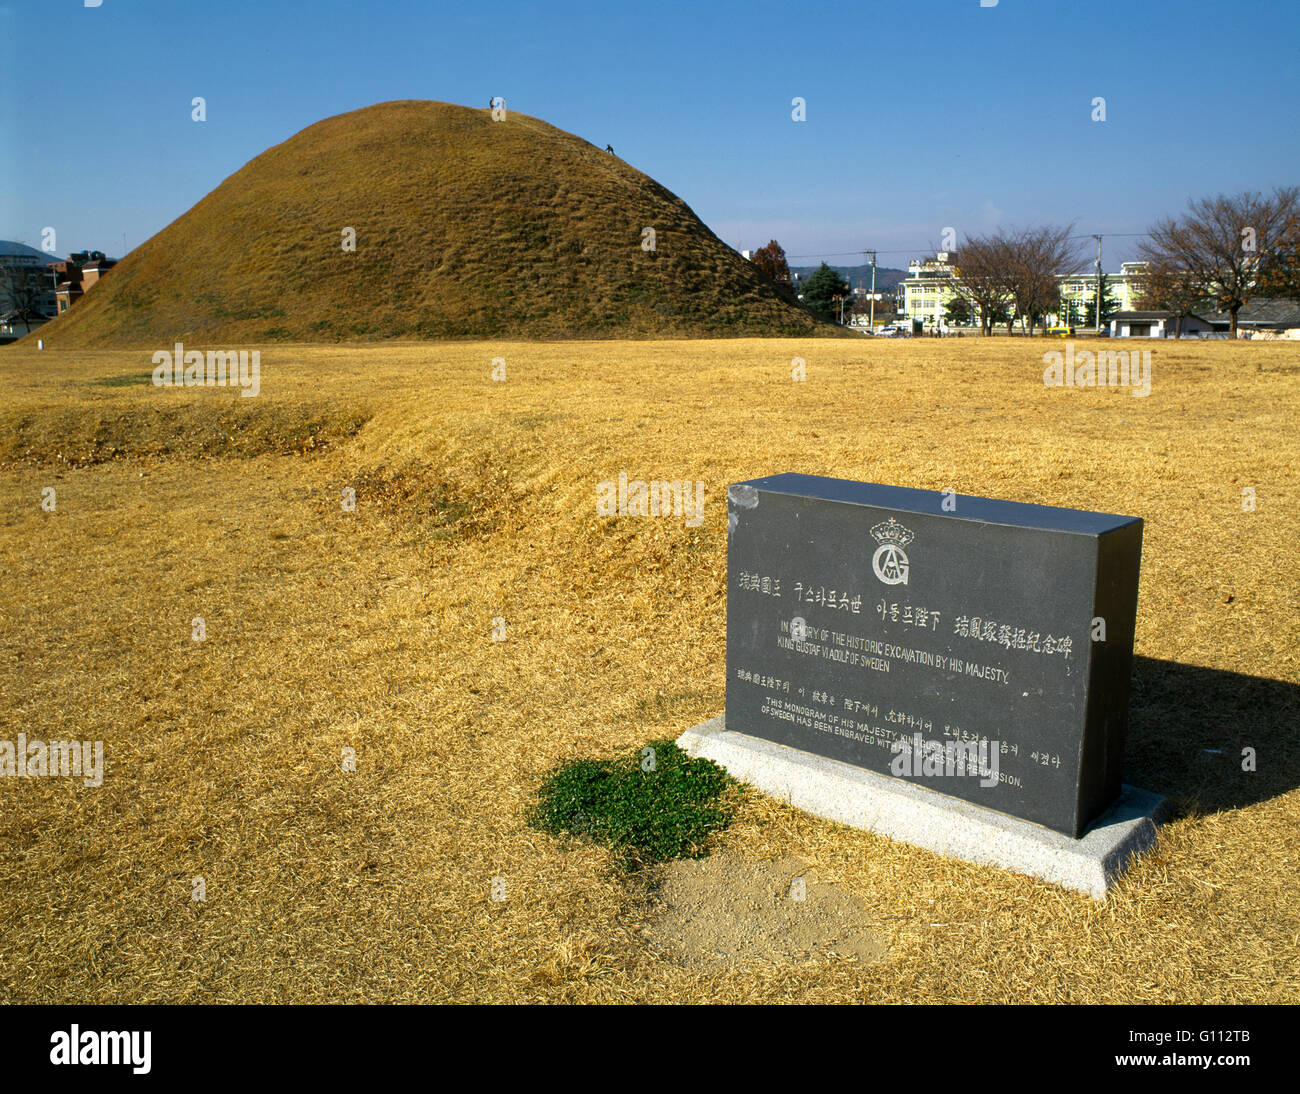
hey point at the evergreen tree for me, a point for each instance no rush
(820, 290)
(957, 311)
(1109, 305)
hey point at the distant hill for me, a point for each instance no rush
(465, 228)
(887, 278)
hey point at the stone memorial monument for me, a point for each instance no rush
(946, 670)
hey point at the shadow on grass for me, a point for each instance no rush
(1187, 727)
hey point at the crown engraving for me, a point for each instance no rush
(890, 531)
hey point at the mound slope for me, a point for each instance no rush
(465, 227)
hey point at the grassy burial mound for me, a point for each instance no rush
(465, 227)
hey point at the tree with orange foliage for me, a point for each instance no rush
(771, 260)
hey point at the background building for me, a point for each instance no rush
(27, 289)
(926, 291)
(931, 284)
(77, 274)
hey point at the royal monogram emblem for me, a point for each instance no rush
(890, 560)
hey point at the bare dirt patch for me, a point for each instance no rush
(728, 909)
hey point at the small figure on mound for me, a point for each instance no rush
(610, 149)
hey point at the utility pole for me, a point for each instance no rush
(872, 326)
(1098, 297)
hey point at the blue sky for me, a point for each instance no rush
(920, 116)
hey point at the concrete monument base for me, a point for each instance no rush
(913, 814)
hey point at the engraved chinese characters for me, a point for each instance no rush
(873, 625)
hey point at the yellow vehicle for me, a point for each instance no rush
(1060, 332)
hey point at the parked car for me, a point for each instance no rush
(1060, 332)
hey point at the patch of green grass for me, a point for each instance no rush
(123, 381)
(649, 806)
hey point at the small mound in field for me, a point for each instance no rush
(210, 425)
(728, 910)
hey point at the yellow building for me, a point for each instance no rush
(1080, 289)
(930, 285)
(926, 290)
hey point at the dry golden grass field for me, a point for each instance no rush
(475, 500)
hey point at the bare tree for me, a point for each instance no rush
(22, 292)
(1171, 289)
(1280, 266)
(1222, 245)
(1034, 258)
(981, 266)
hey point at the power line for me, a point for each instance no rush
(846, 254)
(927, 246)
